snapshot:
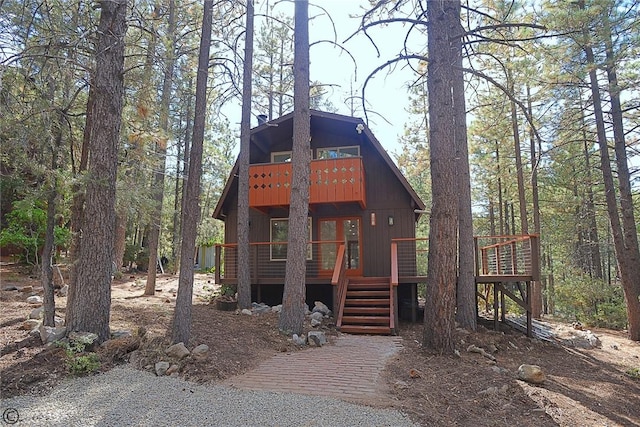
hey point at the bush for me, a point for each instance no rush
(77, 360)
(591, 301)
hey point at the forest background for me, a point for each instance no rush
(541, 69)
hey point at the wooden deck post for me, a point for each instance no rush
(218, 256)
(495, 306)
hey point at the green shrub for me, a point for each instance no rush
(77, 360)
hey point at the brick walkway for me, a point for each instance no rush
(348, 369)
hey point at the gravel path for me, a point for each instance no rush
(128, 397)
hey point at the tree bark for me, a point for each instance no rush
(443, 17)
(161, 152)
(293, 299)
(90, 306)
(466, 304)
(244, 272)
(182, 315)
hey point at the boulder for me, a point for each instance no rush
(246, 311)
(315, 323)
(162, 368)
(58, 321)
(10, 288)
(320, 307)
(316, 315)
(49, 334)
(177, 351)
(317, 337)
(593, 340)
(26, 289)
(260, 308)
(172, 369)
(276, 308)
(34, 299)
(200, 352)
(36, 313)
(299, 340)
(531, 374)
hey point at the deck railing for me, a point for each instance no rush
(331, 181)
(268, 260)
(409, 257)
(508, 256)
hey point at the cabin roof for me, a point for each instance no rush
(264, 135)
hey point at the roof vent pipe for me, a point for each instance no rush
(262, 119)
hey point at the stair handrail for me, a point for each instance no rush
(392, 308)
(339, 279)
(394, 264)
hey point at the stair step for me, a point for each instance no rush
(361, 294)
(367, 285)
(365, 320)
(370, 302)
(361, 329)
(366, 310)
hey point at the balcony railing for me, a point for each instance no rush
(331, 181)
(508, 257)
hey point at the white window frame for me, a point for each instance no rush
(280, 153)
(309, 246)
(338, 150)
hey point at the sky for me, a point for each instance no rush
(386, 94)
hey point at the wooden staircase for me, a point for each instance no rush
(367, 307)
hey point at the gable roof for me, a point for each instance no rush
(264, 134)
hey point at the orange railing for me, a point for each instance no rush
(508, 256)
(340, 280)
(331, 181)
(268, 260)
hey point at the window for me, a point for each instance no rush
(281, 157)
(338, 152)
(279, 236)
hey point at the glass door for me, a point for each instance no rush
(346, 230)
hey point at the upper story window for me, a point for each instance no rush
(338, 152)
(281, 157)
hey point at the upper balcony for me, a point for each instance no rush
(332, 181)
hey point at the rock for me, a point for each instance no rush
(26, 289)
(306, 310)
(246, 311)
(593, 340)
(320, 307)
(491, 391)
(49, 334)
(172, 369)
(491, 348)
(124, 333)
(531, 374)
(87, 338)
(162, 368)
(200, 352)
(58, 321)
(577, 326)
(276, 308)
(30, 324)
(317, 315)
(62, 292)
(315, 323)
(35, 300)
(299, 340)
(260, 308)
(177, 351)
(36, 313)
(10, 288)
(317, 337)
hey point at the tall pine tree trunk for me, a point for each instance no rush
(244, 272)
(191, 214)
(293, 299)
(444, 19)
(161, 151)
(89, 308)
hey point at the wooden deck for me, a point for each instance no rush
(506, 266)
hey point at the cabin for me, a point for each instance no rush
(359, 203)
(364, 259)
